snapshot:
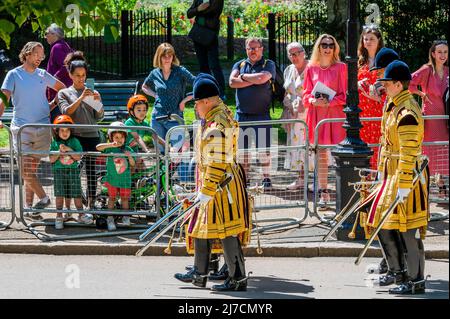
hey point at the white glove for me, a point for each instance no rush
(403, 193)
(379, 175)
(202, 198)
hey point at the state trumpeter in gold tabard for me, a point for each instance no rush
(400, 160)
(392, 267)
(222, 221)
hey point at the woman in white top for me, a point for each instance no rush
(293, 109)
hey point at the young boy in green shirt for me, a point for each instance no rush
(66, 174)
(118, 172)
(137, 109)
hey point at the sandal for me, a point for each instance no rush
(322, 205)
(297, 184)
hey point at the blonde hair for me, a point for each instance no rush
(28, 49)
(315, 56)
(163, 49)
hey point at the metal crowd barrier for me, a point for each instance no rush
(180, 168)
(145, 183)
(170, 176)
(439, 148)
(7, 198)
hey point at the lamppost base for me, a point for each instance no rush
(347, 158)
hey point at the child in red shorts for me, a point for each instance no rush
(118, 172)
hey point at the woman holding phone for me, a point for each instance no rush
(71, 102)
(325, 67)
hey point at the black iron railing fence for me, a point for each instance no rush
(303, 27)
(131, 53)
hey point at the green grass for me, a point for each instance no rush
(189, 113)
(4, 141)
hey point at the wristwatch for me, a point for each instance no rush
(242, 77)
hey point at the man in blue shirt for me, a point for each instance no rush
(252, 79)
(26, 85)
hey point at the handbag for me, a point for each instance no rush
(202, 35)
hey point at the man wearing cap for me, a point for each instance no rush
(223, 216)
(401, 158)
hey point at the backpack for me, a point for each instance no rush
(278, 91)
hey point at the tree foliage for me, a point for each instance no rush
(410, 26)
(40, 14)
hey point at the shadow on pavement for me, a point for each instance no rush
(269, 288)
(438, 227)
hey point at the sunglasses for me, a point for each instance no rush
(321, 95)
(327, 45)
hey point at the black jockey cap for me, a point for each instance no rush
(396, 71)
(207, 76)
(205, 87)
(383, 58)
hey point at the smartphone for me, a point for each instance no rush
(90, 84)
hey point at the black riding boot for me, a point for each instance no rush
(232, 285)
(222, 274)
(415, 259)
(409, 288)
(391, 278)
(234, 258)
(192, 276)
(198, 274)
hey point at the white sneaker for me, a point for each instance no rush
(59, 223)
(126, 220)
(68, 216)
(110, 223)
(85, 219)
(295, 185)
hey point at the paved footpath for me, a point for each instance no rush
(44, 276)
(304, 240)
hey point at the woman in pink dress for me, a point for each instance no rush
(371, 105)
(432, 79)
(325, 66)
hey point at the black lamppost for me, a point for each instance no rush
(352, 151)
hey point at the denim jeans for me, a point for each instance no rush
(260, 134)
(162, 127)
(208, 59)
